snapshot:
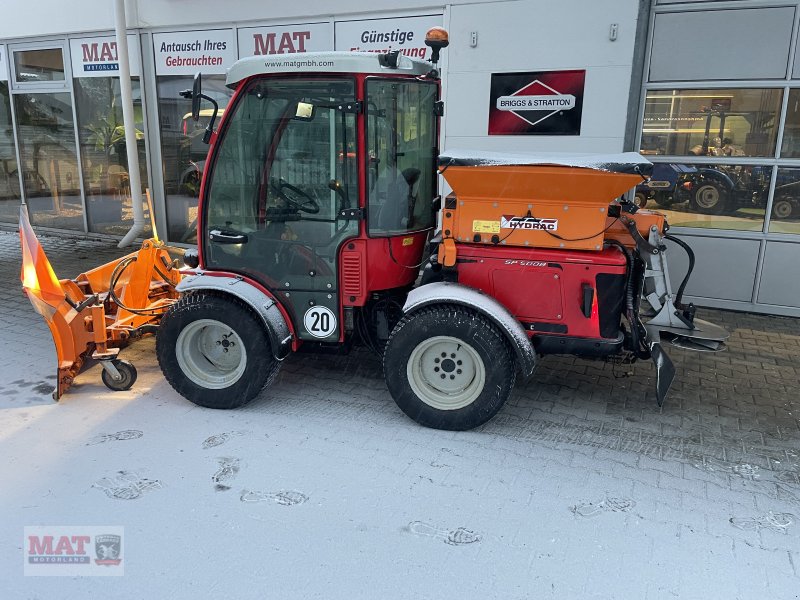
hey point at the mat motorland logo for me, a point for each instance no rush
(74, 550)
(528, 223)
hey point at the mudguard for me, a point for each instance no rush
(262, 304)
(444, 292)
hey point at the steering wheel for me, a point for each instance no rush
(296, 197)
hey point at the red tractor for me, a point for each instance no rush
(318, 210)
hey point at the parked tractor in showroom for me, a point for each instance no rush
(725, 188)
(318, 202)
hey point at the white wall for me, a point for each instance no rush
(532, 36)
(25, 18)
(517, 35)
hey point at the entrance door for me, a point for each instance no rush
(285, 168)
(50, 173)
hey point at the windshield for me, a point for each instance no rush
(401, 146)
(287, 155)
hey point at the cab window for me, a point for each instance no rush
(401, 146)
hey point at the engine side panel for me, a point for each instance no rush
(551, 292)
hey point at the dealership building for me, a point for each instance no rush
(709, 91)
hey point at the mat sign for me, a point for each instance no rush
(536, 103)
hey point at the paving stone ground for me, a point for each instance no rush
(580, 488)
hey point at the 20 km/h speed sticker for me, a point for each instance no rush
(320, 321)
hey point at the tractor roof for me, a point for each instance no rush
(623, 162)
(322, 62)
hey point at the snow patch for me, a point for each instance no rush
(455, 537)
(622, 162)
(126, 485)
(283, 497)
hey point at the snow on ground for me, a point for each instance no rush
(322, 488)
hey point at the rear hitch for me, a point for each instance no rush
(668, 322)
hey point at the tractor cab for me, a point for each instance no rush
(335, 151)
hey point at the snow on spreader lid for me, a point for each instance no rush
(322, 62)
(623, 162)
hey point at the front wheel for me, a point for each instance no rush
(448, 367)
(215, 351)
(126, 379)
(709, 198)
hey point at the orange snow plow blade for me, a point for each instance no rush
(101, 310)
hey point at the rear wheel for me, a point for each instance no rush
(640, 199)
(783, 207)
(448, 367)
(709, 198)
(215, 351)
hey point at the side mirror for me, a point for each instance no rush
(197, 91)
(195, 94)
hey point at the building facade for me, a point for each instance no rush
(709, 91)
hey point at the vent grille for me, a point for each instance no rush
(352, 282)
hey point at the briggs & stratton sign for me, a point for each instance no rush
(536, 103)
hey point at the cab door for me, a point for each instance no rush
(293, 142)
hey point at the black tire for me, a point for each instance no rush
(784, 207)
(709, 198)
(189, 315)
(474, 333)
(126, 370)
(640, 199)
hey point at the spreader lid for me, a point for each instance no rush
(623, 162)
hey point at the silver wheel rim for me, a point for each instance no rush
(211, 354)
(446, 373)
(707, 196)
(782, 208)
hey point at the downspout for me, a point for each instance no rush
(129, 123)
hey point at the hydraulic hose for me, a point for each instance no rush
(690, 254)
(631, 309)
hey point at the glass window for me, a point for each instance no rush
(712, 196)
(39, 65)
(101, 134)
(730, 122)
(401, 141)
(790, 148)
(285, 168)
(785, 216)
(9, 178)
(182, 149)
(46, 138)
